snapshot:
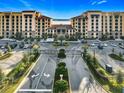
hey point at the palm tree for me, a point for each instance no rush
(55, 37)
(113, 50)
(120, 77)
(66, 36)
(78, 35)
(1, 77)
(45, 36)
(61, 38)
(18, 36)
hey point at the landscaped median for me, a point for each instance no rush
(116, 57)
(61, 80)
(111, 83)
(5, 56)
(14, 78)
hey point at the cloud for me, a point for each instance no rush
(101, 2)
(26, 4)
(93, 3)
(98, 2)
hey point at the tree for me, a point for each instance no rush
(18, 36)
(0, 53)
(25, 57)
(119, 77)
(78, 35)
(120, 55)
(9, 48)
(72, 38)
(61, 53)
(66, 36)
(1, 76)
(36, 52)
(61, 86)
(31, 39)
(84, 52)
(113, 50)
(38, 38)
(62, 64)
(55, 37)
(45, 36)
(61, 38)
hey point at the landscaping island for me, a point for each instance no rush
(116, 57)
(61, 80)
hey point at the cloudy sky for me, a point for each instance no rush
(61, 8)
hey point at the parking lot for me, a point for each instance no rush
(103, 54)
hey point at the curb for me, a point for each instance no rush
(24, 79)
(70, 90)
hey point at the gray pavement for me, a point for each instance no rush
(103, 58)
(42, 75)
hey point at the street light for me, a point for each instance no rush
(61, 76)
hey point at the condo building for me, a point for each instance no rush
(95, 24)
(90, 24)
(60, 27)
(29, 23)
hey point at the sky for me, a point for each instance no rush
(61, 9)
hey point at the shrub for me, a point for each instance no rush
(61, 53)
(116, 57)
(61, 86)
(61, 70)
(62, 64)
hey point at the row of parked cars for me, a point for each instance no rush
(12, 45)
(23, 45)
(101, 45)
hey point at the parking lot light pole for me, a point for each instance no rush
(94, 53)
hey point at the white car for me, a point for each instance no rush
(113, 45)
(2, 47)
(92, 45)
(105, 45)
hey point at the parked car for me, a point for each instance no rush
(92, 45)
(121, 46)
(2, 47)
(113, 45)
(105, 45)
(100, 46)
(21, 45)
(25, 46)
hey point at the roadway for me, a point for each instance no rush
(78, 71)
(42, 75)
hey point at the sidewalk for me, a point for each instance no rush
(8, 64)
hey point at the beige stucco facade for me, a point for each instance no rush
(29, 23)
(94, 24)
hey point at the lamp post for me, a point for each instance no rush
(61, 76)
